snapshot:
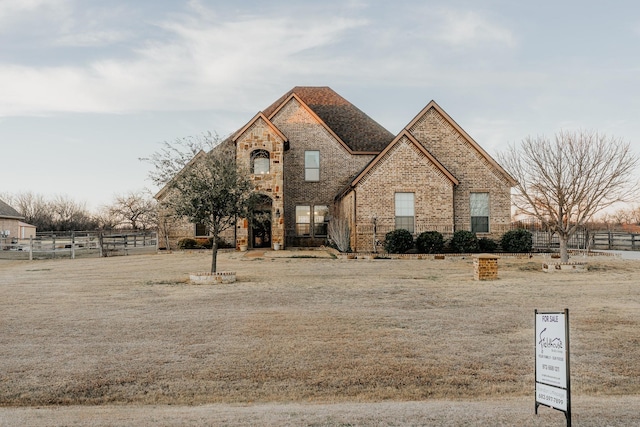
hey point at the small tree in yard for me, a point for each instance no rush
(204, 187)
(565, 181)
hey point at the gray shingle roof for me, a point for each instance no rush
(359, 131)
(7, 211)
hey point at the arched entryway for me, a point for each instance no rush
(260, 231)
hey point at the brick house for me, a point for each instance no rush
(314, 156)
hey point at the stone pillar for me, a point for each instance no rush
(485, 267)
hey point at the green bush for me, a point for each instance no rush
(487, 245)
(207, 243)
(518, 240)
(187, 243)
(398, 241)
(464, 242)
(430, 242)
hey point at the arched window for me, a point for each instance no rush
(260, 162)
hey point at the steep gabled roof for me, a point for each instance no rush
(359, 132)
(465, 135)
(7, 211)
(403, 134)
(257, 117)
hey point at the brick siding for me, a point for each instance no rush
(337, 165)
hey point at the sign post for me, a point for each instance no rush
(553, 385)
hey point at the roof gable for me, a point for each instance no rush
(490, 160)
(257, 117)
(7, 211)
(358, 132)
(383, 155)
(404, 134)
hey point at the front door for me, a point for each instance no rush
(261, 230)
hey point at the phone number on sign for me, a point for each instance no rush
(547, 398)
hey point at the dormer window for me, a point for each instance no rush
(260, 162)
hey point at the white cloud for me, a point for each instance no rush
(195, 67)
(468, 28)
(91, 38)
(16, 13)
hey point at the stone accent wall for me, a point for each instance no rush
(468, 165)
(337, 165)
(261, 136)
(403, 169)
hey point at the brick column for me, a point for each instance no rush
(485, 267)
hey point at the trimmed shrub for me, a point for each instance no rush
(518, 240)
(398, 241)
(204, 243)
(487, 245)
(464, 242)
(187, 243)
(207, 243)
(430, 242)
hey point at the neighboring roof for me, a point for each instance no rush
(7, 211)
(404, 134)
(359, 132)
(465, 135)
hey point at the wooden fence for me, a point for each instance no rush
(78, 244)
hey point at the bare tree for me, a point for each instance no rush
(136, 210)
(35, 209)
(565, 181)
(339, 230)
(69, 215)
(204, 187)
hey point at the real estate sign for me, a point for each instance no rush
(552, 361)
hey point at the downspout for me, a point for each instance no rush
(355, 222)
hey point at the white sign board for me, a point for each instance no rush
(552, 362)
(551, 349)
(551, 396)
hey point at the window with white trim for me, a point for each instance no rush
(311, 221)
(479, 207)
(312, 166)
(405, 211)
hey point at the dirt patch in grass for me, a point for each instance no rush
(131, 330)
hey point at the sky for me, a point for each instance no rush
(88, 87)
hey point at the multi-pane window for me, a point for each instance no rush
(479, 206)
(405, 211)
(201, 229)
(260, 162)
(303, 220)
(311, 220)
(320, 217)
(312, 166)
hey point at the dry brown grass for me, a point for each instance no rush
(130, 330)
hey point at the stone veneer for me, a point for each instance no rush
(260, 135)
